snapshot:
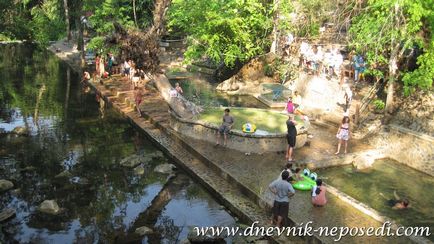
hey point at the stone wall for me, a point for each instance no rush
(413, 149)
(237, 140)
(416, 112)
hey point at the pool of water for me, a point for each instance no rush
(102, 200)
(201, 91)
(377, 185)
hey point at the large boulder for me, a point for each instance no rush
(165, 168)
(63, 175)
(5, 185)
(139, 170)
(50, 207)
(248, 79)
(6, 214)
(193, 237)
(365, 160)
(134, 160)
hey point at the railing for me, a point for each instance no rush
(366, 100)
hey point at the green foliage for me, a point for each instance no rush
(268, 70)
(111, 11)
(309, 16)
(222, 30)
(423, 76)
(379, 104)
(387, 28)
(96, 43)
(4, 37)
(47, 22)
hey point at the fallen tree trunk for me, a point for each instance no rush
(181, 106)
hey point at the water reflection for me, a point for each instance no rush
(72, 155)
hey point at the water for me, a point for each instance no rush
(200, 91)
(375, 186)
(102, 200)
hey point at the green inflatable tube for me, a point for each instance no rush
(304, 185)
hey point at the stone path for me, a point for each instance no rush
(239, 180)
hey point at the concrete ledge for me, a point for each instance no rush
(269, 103)
(244, 142)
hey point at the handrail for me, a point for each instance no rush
(366, 100)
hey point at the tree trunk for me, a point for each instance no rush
(68, 26)
(393, 67)
(80, 42)
(134, 12)
(68, 88)
(275, 34)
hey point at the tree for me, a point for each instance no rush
(68, 26)
(227, 31)
(386, 29)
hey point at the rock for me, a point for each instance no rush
(156, 155)
(363, 161)
(28, 168)
(143, 231)
(134, 160)
(49, 207)
(21, 131)
(79, 180)
(139, 170)
(7, 214)
(165, 168)
(5, 185)
(185, 241)
(208, 238)
(64, 174)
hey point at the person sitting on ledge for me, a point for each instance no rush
(290, 108)
(226, 126)
(318, 194)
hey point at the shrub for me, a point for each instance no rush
(379, 104)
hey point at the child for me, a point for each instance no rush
(178, 89)
(297, 175)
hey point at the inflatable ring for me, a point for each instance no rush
(249, 128)
(308, 182)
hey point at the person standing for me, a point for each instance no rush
(226, 126)
(297, 100)
(138, 98)
(343, 134)
(110, 60)
(126, 70)
(291, 137)
(101, 67)
(318, 194)
(282, 191)
(97, 61)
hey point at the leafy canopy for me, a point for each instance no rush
(225, 31)
(387, 26)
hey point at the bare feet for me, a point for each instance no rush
(336, 153)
